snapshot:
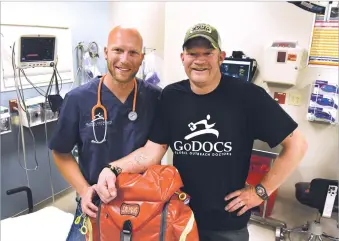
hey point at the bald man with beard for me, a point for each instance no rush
(104, 134)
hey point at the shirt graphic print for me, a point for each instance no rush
(190, 146)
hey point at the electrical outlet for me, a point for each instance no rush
(294, 99)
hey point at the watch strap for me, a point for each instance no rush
(114, 169)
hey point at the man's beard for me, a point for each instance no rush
(110, 69)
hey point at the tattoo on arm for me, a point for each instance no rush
(140, 162)
(141, 159)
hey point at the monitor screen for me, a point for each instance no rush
(236, 68)
(37, 49)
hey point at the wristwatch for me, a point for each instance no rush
(261, 192)
(114, 169)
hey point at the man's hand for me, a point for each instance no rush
(87, 205)
(246, 198)
(105, 187)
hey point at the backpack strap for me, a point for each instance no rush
(126, 232)
(163, 221)
(98, 204)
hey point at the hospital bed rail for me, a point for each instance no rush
(28, 192)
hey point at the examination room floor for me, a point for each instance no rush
(293, 214)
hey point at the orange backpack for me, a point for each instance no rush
(148, 206)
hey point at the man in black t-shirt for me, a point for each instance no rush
(210, 122)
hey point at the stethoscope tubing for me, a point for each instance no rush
(100, 106)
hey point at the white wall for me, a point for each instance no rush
(250, 27)
(147, 17)
(242, 25)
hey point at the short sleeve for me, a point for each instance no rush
(160, 127)
(269, 121)
(66, 133)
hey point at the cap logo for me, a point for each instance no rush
(201, 27)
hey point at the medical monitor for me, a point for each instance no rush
(238, 68)
(36, 51)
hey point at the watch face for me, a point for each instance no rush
(260, 191)
(118, 169)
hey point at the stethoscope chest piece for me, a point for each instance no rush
(132, 116)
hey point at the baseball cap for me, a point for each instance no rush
(206, 31)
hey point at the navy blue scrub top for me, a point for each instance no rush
(123, 136)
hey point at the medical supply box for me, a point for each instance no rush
(283, 62)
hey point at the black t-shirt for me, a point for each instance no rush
(212, 137)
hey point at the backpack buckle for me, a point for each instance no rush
(126, 233)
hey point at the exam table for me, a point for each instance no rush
(49, 223)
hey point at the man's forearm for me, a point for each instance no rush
(70, 170)
(283, 166)
(142, 158)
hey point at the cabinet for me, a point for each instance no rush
(13, 176)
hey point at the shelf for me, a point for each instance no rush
(5, 132)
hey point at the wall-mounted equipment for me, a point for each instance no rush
(37, 111)
(323, 103)
(239, 66)
(323, 8)
(283, 62)
(5, 120)
(309, 6)
(36, 51)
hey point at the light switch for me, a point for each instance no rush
(294, 99)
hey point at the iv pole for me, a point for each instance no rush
(21, 128)
(143, 76)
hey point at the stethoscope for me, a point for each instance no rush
(132, 116)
